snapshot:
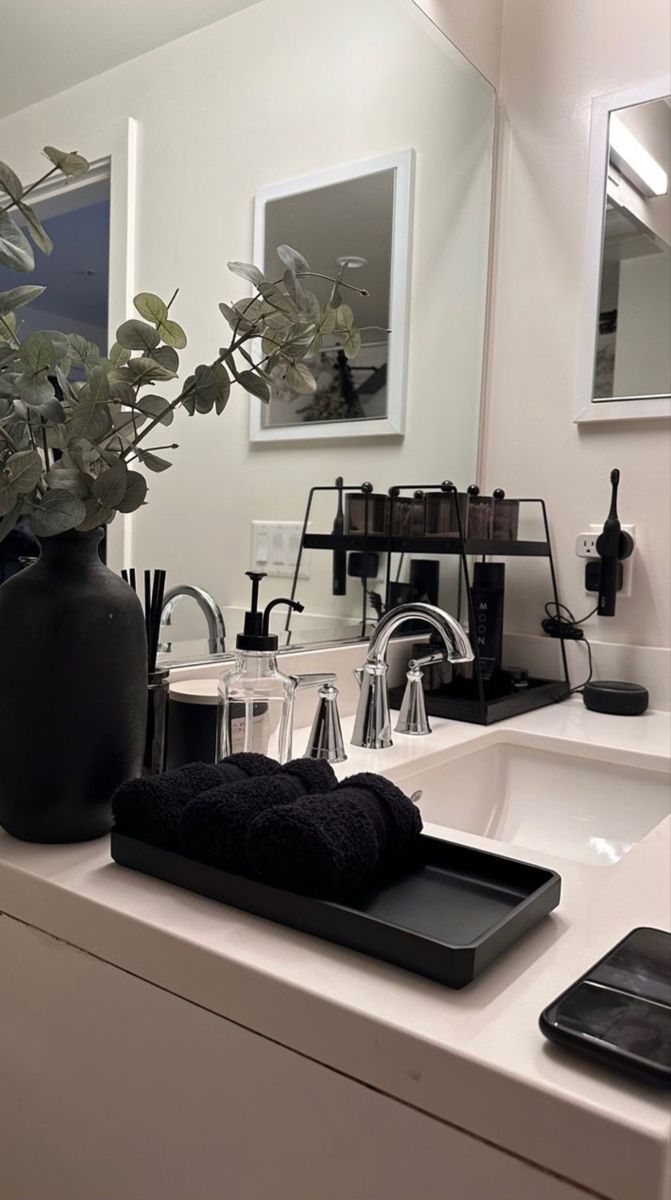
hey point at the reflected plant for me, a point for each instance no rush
(74, 423)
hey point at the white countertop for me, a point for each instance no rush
(474, 1058)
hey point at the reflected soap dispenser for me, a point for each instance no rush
(256, 699)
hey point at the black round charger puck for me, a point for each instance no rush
(616, 698)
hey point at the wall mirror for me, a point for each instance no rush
(359, 215)
(367, 90)
(630, 348)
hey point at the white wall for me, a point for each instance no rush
(555, 58)
(475, 26)
(279, 90)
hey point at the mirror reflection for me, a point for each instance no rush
(633, 353)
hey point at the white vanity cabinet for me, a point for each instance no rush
(115, 1089)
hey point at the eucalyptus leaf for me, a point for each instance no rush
(137, 335)
(292, 258)
(344, 317)
(172, 334)
(90, 420)
(119, 355)
(10, 182)
(69, 162)
(57, 512)
(97, 388)
(151, 307)
(24, 470)
(69, 479)
(152, 461)
(35, 390)
(156, 406)
(278, 300)
(166, 356)
(95, 514)
(37, 354)
(16, 252)
(143, 369)
(254, 385)
(8, 327)
(295, 290)
(136, 491)
(84, 351)
(352, 345)
(110, 486)
(208, 386)
(247, 271)
(8, 494)
(18, 296)
(38, 232)
(300, 378)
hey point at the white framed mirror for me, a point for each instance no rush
(359, 212)
(625, 359)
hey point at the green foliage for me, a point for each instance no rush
(73, 422)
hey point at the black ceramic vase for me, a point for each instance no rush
(73, 692)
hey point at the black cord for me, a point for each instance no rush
(562, 624)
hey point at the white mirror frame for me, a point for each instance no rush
(393, 425)
(588, 409)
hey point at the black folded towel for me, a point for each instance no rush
(213, 827)
(328, 846)
(150, 808)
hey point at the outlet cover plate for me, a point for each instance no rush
(275, 549)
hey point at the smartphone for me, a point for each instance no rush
(620, 1010)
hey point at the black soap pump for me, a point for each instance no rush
(256, 698)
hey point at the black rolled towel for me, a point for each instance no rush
(328, 846)
(213, 827)
(150, 808)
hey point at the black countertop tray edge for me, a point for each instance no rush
(450, 964)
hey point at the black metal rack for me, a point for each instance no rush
(473, 700)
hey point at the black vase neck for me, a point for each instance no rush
(71, 547)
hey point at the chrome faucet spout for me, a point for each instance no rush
(372, 725)
(216, 629)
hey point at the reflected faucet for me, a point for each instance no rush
(216, 629)
(372, 724)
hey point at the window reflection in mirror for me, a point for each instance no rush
(633, 349)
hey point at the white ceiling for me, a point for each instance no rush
(48, 47)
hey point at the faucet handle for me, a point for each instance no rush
(326, 740)
(313, 679)
(412, 718)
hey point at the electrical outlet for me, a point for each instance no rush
(585, 547)
(275, 546)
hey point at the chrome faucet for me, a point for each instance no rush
(372, 725)
(216, 629)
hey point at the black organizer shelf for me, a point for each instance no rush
(380, 542)
(473, 700)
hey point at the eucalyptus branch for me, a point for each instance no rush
(9, 440)
(332, 279)
(26, 192)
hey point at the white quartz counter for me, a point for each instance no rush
(473, 1058)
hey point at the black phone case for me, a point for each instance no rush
(643, 1069)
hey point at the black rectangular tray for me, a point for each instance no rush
(450, 914)
(441, 703)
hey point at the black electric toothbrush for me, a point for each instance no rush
(339, 556)
(609, 548)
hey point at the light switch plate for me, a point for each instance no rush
(275, 549)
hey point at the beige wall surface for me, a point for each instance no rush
(555, 59)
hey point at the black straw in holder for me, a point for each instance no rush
(157, 707)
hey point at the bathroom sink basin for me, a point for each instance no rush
(561, 804)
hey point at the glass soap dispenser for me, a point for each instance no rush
(256, 699)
